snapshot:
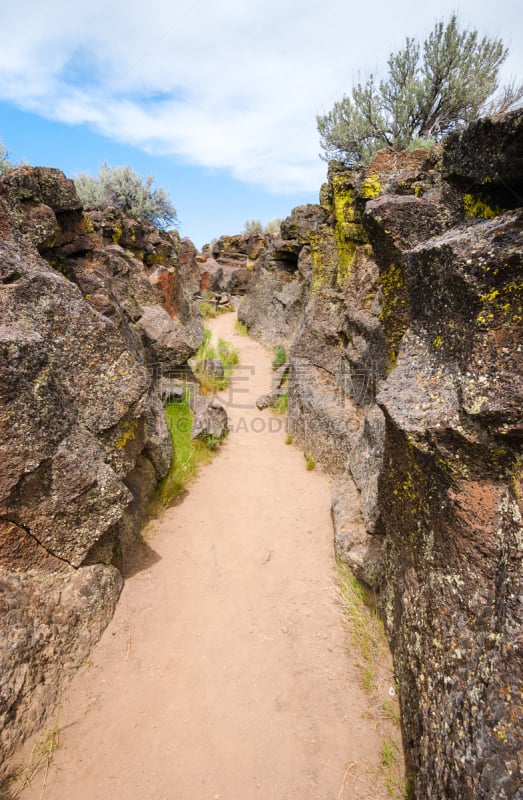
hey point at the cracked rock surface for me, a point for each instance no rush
(93, 308)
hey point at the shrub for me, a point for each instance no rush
(252, 226)
(5, 162)
(273, 227)
(429, 90)
(123, 188)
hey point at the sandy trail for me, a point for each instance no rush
(224, 674)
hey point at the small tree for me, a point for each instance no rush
(430, 89)
(5, 162)
(252, 226)
(123, 188)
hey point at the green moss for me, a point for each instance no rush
(343, 199)
(347, 250)
(371, 187)
(394, 313)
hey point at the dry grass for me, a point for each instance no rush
(41, 758)
(370, 648)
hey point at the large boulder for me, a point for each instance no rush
(487, 152)
(210, 422)
(50, 618)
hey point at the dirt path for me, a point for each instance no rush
(224, 673)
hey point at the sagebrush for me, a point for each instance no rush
(431, 88)
(123, 188)
(5, 158)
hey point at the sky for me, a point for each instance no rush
(217, 99)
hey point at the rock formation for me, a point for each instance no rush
(402, 293)
(94, 308)
(226, 265)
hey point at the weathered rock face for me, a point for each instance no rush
(85, 331)
(273, 307)
(227, 265)
(450, 499)
(406, 376)
(50, 620)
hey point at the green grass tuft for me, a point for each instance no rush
(188, 454)
(281, 403)
(210, 310)
(241, 328)
(280, 356)
(228, 355)
(389, 753)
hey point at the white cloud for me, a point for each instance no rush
(223, 83)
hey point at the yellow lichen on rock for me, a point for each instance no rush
(478, 209)
(117, 233)
(348, 231)
(371, 187)
(324, 260)
(394, 309)
(128, 433)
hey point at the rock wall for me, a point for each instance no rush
(406, 383)
(93, 309)
(281, 280)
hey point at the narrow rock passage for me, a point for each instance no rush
(224, 674)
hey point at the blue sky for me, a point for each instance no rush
(215, 98)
